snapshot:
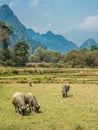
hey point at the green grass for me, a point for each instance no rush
(77, 112)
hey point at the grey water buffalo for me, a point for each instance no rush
(18, 100)
(31, 101)
(65, 89)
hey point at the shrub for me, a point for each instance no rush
(15, 72)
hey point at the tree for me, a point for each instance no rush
(42, 55)
(55, 56)
(91, 58)
(93, 48)
(5, 32)
(21, 51)
(39, 55)
(76, 58)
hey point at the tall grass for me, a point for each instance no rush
(79, 111)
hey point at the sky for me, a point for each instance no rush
(70, 18)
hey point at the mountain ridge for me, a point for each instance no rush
(88, 43)
(49, 40)
(49, 35)
(20, 33)
(53, 41)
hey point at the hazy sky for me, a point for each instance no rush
(59, 16)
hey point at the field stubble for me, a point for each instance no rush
(48, 75)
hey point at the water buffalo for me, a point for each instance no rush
(31, 101)
(18, 100)
(65, 89)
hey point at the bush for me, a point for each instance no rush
(15, 72)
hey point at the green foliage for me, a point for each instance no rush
(38, 55)
(5, 32)
(82, 58)
(21, 51)
(5, 54)
(15, 72)
(41, 55)
(8, 58)
(93, 48)
(76, 58)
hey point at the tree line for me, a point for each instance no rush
(19, 55)
(75, 58)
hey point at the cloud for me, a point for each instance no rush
(13, 2)
(90, 24)
(35, 3)
(41, 3)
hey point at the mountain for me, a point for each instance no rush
(78, 36)
(32, 33)
(20, 33)
(88, 43)
(48, 40)
(53, 41)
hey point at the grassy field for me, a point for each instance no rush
(79, 111)
(48, 75)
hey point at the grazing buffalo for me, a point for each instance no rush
(18, 100)
(31, 101)
(65, 89)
